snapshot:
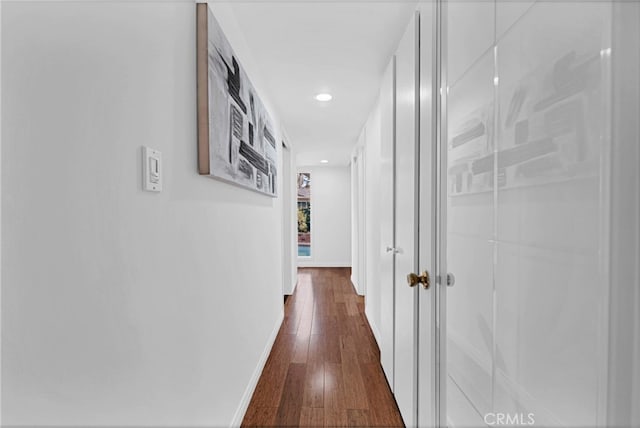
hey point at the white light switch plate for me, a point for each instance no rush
(151, 170)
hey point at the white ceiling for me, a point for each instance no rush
(305, 48)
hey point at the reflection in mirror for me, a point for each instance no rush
(526, 220)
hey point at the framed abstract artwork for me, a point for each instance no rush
(236, 138)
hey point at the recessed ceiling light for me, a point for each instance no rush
(324, 161)
(324, 97)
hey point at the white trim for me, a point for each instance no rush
(287, 141)
(304, 261)
(358, 216)
(354, 281)
(294, 285)
(353, 169)
(289, 219)
(253, 382)
(361, 289)
(624, 229)
(310, 263)
(373, 325)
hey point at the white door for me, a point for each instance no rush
(525, 154)
(387, 225)
(405, 379)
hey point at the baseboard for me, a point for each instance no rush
(303, 264)
(253, 382)
(356, 286)
(373, 325)
(292, 286)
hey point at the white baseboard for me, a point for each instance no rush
(373, 325)
(253, 382)
(292, 286)
(356, 286)
(303, 263)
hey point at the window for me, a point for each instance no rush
(304, 214)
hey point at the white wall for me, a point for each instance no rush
(121, 307)
(330, 217)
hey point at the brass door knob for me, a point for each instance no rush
(423, 279)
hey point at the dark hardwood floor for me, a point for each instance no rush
(324, 368)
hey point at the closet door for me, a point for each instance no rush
(526, 180)
(468, 204)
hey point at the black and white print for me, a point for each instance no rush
(242, 142)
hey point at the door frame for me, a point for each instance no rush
(289, 229)
(623, 374)
(441, 89)
(428, 103)
(358, 217)
(362, 218)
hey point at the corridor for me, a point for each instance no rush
(324, 367)
(320, 213)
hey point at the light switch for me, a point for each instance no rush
(151, 169)
(154, 170)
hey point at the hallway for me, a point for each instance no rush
(324, 367)
(320, 213)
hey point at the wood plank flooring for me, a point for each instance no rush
(324, 369)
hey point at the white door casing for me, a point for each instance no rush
(405, 379)
(428, 181)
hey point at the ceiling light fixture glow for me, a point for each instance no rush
(324, 161)
(324, 97)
